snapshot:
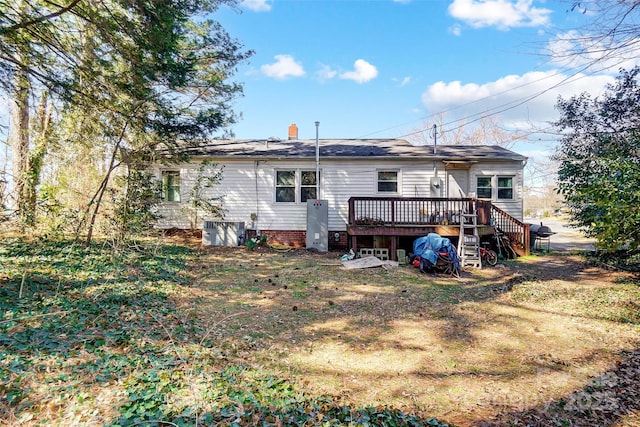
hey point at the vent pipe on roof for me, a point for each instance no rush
(435, 137)
(317, 163)
(293, 131)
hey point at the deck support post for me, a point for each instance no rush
(394, 248)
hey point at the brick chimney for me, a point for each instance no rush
(293, 131)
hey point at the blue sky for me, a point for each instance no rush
(392, 68)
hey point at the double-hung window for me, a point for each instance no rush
(307, 185)
(500, 186)
(505, 187)
(286, 186)
(484, 187)
(387, 181)
(295, 186)
(171, 186)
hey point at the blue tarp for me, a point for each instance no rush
(427, 247)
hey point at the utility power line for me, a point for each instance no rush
(459, 123)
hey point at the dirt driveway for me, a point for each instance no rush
(567, 238)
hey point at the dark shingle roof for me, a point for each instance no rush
(349, 148)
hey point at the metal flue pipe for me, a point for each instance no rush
(317, 163)
(435, 138)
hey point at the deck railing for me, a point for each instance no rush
(426, 211)
(517, 231)
(406, 211)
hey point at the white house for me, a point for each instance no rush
(266, 183)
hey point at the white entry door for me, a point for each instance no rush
(458, 183)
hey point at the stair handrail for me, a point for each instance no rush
(517, 230)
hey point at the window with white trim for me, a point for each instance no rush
(307, 185)
(500, 187)
(171, 186)
(286, 186)
(484, 187)
(295, 186)
(387, 181)
(505, 187)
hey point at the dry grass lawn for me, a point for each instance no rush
(465, 350)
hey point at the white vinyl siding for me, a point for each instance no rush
(249, 188)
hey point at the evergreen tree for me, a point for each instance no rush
(599, 155)
(146, 74)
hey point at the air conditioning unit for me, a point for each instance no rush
(222, 233)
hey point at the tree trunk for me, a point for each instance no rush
(97, 198)
(19, 132)
(36, 159)
(19, 142)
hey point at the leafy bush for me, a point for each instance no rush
(599, 159)
(253, 242)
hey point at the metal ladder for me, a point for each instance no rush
(469, 244)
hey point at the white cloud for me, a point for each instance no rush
(503, 14)
(257, 5)
(326, 73)
(402, 1)
(285, 66)
(456, 30)
(520, 101)
(403, 81)
(362, 73)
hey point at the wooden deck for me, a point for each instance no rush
(401, 217)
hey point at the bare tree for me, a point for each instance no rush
(610, 34)
(486, 131)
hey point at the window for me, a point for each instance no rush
(295, 186)
(171, 186)
(505, 187)
(387, 181)
(307, 185)
(285, 186)
(483, 187)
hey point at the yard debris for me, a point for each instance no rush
(348, 256)
(368, 262)
(435, 253)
